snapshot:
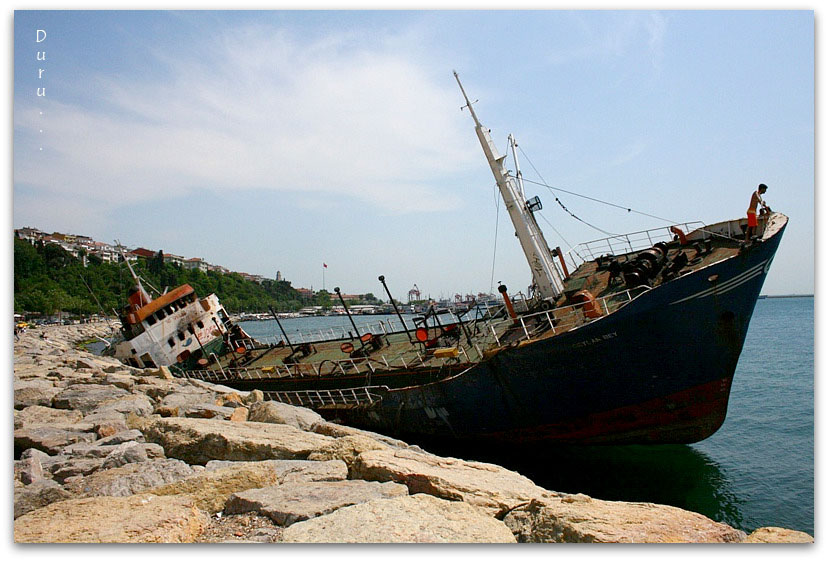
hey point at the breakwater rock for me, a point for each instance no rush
(109, 453)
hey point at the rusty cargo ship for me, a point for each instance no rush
(630, 339)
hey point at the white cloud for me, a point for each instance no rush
(254, 108)
(614, 34)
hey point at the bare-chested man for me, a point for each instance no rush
(755, 200)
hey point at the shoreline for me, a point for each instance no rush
(151, 458)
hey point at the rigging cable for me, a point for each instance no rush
(557, 200)
(494, 252)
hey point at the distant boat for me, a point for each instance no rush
(629, 339)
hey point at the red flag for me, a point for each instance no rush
(325, 265)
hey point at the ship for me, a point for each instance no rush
(177, 328)
(630, 339)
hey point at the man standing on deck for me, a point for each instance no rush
(755, 200)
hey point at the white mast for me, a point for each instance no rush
(144, 294)
(531, 238)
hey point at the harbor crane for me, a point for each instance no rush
(415, 292)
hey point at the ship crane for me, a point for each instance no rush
(415, 292)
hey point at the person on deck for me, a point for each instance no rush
(755, 200)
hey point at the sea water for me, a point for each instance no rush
(757, 470)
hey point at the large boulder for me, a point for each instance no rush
(37, 495)
(579, 518)
(210, 489)
(409, 519)
(197, 441)
(36, 391)
(288, 471)
(491, 487)
(86, 397)
(138, 404)
(337, 430)
(39, 415)
(282, 413)
(771, 534)
(130, 479)
(134, 519)
(185, 396)
(347, 448)
(48, 439)
(287, 504)
(208, 411)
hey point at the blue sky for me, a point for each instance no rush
(279, 140)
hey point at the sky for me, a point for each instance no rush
(270, 141)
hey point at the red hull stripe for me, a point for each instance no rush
(687, 416)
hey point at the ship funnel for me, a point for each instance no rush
(138, 298)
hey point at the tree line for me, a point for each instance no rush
(48, 279)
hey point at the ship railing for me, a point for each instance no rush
(352, 397)
(341, 367)
(625, 243)
(333, 333)
(558, 320)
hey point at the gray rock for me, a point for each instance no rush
(99, 417)
(36, 391)
(121, 437)
(282, 413)
(48, 439)
(34, 453)
(286, 504)
(338, 431)
(409, 519)
(184, 399)
(140, 405)
(110, 426)
(39, 415)
(38, 495)
(74, 467)
(292, 470)
(131, 478)
(208, 411)
(126, 453)
(86, 397)
(197, 441)
(123, 381)
(87, 450)
(491, 487)
(29, 469)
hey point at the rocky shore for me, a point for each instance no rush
(109, 453)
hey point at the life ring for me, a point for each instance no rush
(587, 303)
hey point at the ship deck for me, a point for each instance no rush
(446, 345)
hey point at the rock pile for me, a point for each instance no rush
(109, 453)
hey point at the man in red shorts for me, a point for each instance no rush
(755, 200)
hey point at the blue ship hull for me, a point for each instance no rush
(658, 370)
